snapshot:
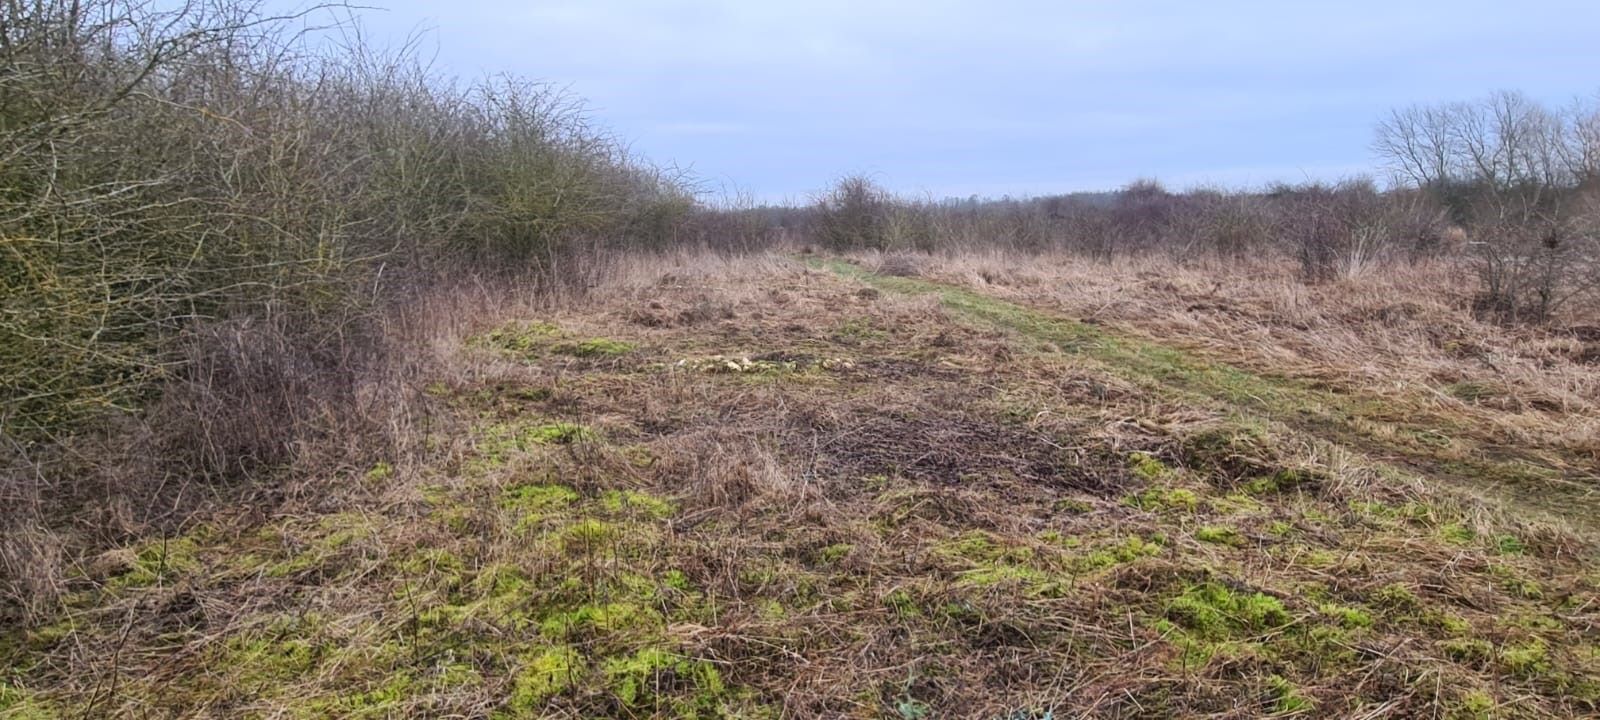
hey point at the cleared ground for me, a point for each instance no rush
(804, 488)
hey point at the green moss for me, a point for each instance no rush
(1214, 611)
(1543, 623)
(1467, 649)
(517, 339)
(588, 535)
(1286, 698)
(620, 501)
(1515, 583)
(560, 433)
(677, 580)
(335, 533)
(1219, 535)
(1211, 619)
(858, 329)
(993, 563)
(972, 545)
(19, 704)
(499, 579)
(1147, 466)
(1474, 705)
(1321, 646)
(1509, 545)
(1037, 581)
(1161, 499)
(1195, 652)
(498, 443)
(1453, 624)
(1317, 559)
(437, 563)
(159, 561)
(759, 574)
(634, 679)
(835, 552)
(902, 604)
(1347, 616)
(379, 472)
(455, 676)
(1127, 550)
(1239, 503)
(389, 698)
(1072, 506)
(1281, 481)
(608, 618)
(595, 348)
(534, 502)
(1457, 534)
(498, 593)
(41, 637)
(770, 609)
(543, 675)
(1526, 659)
(1397, 597)
(460, 521)
(280, 654)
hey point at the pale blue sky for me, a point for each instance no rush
(1005, 96)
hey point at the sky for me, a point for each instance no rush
(1004, 97)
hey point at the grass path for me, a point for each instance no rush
(1399, 429)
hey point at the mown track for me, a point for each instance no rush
(1393, 429)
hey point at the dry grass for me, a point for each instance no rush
(757, 488)
(1408, 328)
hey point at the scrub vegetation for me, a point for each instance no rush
(315, 411)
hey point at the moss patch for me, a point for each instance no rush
(543, 675)
(517, 339)
(639, 678)
(635, 502)
(595, 348)
(1219, 535)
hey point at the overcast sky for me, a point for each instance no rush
(997, 97)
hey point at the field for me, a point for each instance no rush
(869, 486)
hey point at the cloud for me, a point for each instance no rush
(782, 96)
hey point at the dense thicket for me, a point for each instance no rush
(163, 168)
(206, 215)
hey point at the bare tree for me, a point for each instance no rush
(1513, 170)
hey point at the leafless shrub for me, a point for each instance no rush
(1337, 231)
(209, 224)
(1531, 265)
(854, 214)
(1517, 174)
